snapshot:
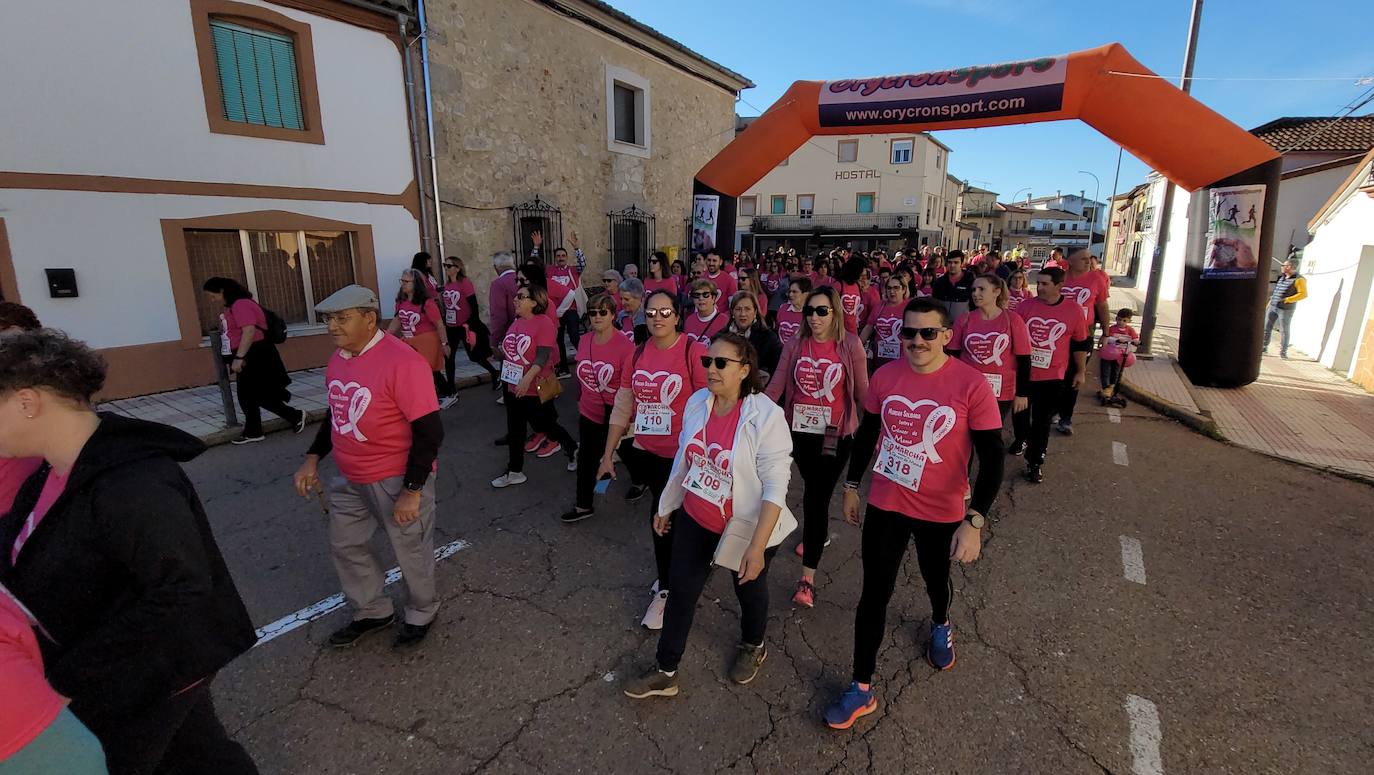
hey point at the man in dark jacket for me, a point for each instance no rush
(108, 545)
(954, 288)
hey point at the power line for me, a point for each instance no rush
(1359, 102)
(1358, 80)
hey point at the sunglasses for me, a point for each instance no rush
(522, 297)
(720, 362)
(450, 266)
(659, 313)
(596, 313)
(820, 312)
(702, 295)
(927, 334)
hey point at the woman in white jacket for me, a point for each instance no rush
(728, 496)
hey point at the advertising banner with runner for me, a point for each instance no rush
(983, 91)
(705, 208)
(1234, 214)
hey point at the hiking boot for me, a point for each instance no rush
(748, 660)
(348, 636)
(653, 683)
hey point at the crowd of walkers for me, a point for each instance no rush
(700, 384)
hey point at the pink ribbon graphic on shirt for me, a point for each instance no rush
(348, 403)
(452, 301)
(902, 420)
(818, 377)
(667, 384)
(596, 375)
(410, 320)
(1044, 332)
(988, 348)
(887, 328)
(515, 346)
(788, 330)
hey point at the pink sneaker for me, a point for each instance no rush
(549, 448)
(806, 594)
(534, 442)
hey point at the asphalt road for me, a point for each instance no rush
(1250, 640)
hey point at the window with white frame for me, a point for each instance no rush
(901, 151)
(627, 112)
(848, 151)
(288, 272)
(748, 206)
(806, 205)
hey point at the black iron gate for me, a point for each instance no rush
(536, 215)
(631, 238)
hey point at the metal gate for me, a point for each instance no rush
(536, 215)
(632, 238)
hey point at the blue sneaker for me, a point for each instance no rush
(850, 707)
(941, 652)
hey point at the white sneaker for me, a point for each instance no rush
(653, 618)
(501, 400)
(572, 465)
(509, 478)
(654, 589)
(448, 401)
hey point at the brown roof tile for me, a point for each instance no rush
(1354, 134)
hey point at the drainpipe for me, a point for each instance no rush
(429, 129)
(412, 107)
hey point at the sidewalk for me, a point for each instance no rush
(1297, 410)
(200, 411)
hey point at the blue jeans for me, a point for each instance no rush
(1284, 318)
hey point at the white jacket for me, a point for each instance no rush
(760, 465)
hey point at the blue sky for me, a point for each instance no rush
(776, 43)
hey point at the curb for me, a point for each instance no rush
(1200, 423)
(226, 435)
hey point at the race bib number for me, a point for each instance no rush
(810, 418)
(512, 372)
(889, 349)
(995, 381)
(708, 481)
(653, 420)
(1041, 357)
(900, 465)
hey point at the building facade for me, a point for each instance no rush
(173, 141)
(864, 191)
(565, 116)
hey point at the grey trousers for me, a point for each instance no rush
(355, 512)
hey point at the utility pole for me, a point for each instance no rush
(1151, 313)
(1111, 208)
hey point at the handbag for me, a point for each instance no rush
(548, 388)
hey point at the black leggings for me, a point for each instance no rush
(1045, 397)
(542, 417)
(693, 549)
(479, 353)
(1020, 422)
(819, 474)
(1068, 399)
(179, 734)
(652, 470)
(885, 536)
(591, 442)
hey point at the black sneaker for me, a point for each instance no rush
(576, 515)
(636, 492)
(347, 637)
(1034, 475)
(1018, 448)
(240, 441)
(409, 635)
(500, 441)
(1065, 427)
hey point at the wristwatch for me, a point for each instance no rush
(975, 519)
(414, 487)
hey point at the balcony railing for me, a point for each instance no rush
(871, 221)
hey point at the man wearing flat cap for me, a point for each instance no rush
(384, 430)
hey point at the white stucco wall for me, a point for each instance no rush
(1299, 199)
(1171, 278)
(1339, 266)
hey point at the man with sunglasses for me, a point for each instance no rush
(1059, 336)
(925, 415)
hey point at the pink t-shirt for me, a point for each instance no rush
(373, 399)
(789, 323)
(455, 295)
(1086, 290)
(715, 442)
(13, 472)
(668, 284)
(1016, 296)
(52, 490)
(667, 378)
(868, 305)
(851, 300)
(703, 330)
(525, 337)
(926, 440)
(30, 704)
(415, 320)
(244, 312)
(562, 280)
(727, 284)
(602, 369)
(887, 325)
(1051, 327)
(991, 347)
(818, 379)
(1122, 334)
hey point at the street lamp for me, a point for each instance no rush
(1097, 192)
(1018, 193)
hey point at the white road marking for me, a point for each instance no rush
(1145, 736)
(1119, 454)
(334, 602)
(1114, 414)
(1132, 560)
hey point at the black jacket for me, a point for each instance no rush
(125, 574)
(766, 343)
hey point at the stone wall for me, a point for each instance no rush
(520, 110)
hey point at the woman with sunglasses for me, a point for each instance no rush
(604, 362)
(821, 381)
(461, 318)
(790, 314)
(666, 371)
(420, 325)
(996, 342)
(925, 415)
(726, 504)
(749, 281)
(528, 353)
(885, 323)
(707, 321)
(745, 321)
(658, 278)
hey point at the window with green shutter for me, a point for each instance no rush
(257, 76)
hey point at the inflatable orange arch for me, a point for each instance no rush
(1184, 140)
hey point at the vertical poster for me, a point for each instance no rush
(1234, 214)
(705, 207)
